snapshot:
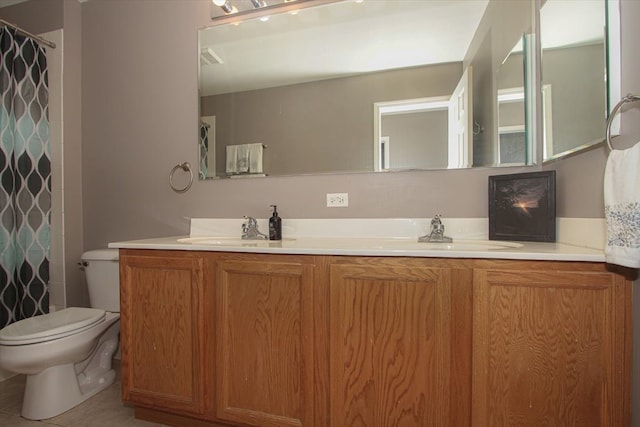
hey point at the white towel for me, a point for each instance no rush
(622, 207)
(255, 158)
(232, 159)
(242, 156)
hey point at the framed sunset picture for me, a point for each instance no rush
(523, 207)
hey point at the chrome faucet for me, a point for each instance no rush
(250, 230)
(436, 235)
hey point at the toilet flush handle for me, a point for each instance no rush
(83, 264)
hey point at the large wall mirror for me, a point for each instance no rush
(364, 86)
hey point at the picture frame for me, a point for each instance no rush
(523, 207)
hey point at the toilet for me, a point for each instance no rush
(66, 355)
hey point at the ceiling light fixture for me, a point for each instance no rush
(237, 10)
(225, 5)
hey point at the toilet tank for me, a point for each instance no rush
(101, 269)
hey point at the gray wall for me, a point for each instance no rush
(140, 119)
(484, 147)
(36, 16)
(501, 27)
(417, 140)
(578, 98)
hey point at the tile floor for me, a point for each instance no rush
(102, 410)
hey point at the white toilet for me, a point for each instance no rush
(66, 355)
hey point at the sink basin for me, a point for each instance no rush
(470, 245)
(456, 245)
(227, 241)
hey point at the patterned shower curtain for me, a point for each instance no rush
(25, 178)
(204, 150)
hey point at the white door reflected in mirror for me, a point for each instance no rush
(461, 123)
(425, 133)
(409, 133)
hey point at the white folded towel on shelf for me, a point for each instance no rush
(622, 207)
(232, 159)
(242, 157)
(255, 158)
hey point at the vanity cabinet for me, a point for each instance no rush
(400, 342)
(551, 345)
(264, 339)
(162, 296)
(217, 339)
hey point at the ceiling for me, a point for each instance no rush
(353, 37)
(337, 40)
(4, 3)
(586, 23)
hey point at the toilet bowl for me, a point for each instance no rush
(66, 355)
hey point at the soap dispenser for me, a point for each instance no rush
(275, 225)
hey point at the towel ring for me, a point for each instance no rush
(186, 166)
(624, 100)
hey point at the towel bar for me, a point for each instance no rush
(624, 100)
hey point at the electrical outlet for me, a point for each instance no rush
(337, 200)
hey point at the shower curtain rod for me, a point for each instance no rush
(52, 45)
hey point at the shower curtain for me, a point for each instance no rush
(25, 178)
(204, 150)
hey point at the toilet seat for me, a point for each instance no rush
(51, 326)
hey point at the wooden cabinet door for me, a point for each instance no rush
(161, 297)
(264, 340)
(549, 348)
(391, 344)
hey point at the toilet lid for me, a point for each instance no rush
(50, 326)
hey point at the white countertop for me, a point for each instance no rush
(384, 237)
(372, 247)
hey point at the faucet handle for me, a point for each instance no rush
(251, 221)
(437, 232)
(250, 229)
(248, 224)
